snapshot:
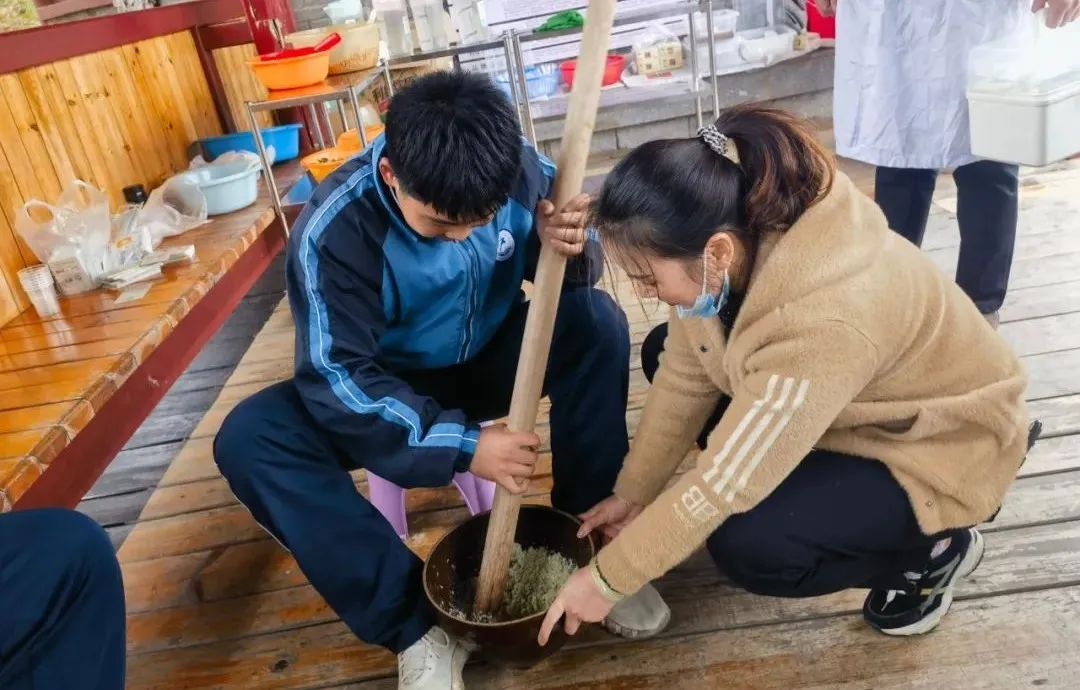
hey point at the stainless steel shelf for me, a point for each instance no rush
(340, 88)
(661, 12)
(556, 106)
(335, 88)
(349, 87)
(452, 51)
(613, 97)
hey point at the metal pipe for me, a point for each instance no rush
(389, 82)
(341, 105)
(712, 58)
(271, 183)
(523, 83)
(695, 71)
(317, 125)
(326, 113)
(508, 50)
(452, 51)
(354, 98)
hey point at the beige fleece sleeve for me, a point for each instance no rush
(793, 389)
(677, 406)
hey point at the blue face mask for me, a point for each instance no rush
(706, 305)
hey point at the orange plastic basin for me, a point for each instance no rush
(321, 163)
(350, 139)
(291, 73)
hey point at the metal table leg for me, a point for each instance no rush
(695, 71)
(317, 124)
(354, 98)
(327, 113)
(341, 106)
(268, 172)
(510, 80)
(389, 80)
(526, 108)
(712, 57)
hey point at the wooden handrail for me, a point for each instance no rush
(44, 44)
(55, 9)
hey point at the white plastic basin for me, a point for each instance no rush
(228, 187)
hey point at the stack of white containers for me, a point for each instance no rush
(1024, 95)
(431, 24)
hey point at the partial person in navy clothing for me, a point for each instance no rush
(405, 276)
(61, 603)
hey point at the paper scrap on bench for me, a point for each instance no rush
(133, 293)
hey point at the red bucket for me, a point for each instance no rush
(822, 26)
(612, 70)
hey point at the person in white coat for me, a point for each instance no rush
(899, 104)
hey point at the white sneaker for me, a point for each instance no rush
(434, 662)
(639, 616)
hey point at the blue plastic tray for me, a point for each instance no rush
(284, 138)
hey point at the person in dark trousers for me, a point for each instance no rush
(900, 104)
(987, 209)
(404, 278)
(61, 604)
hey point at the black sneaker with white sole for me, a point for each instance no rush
(920, 608)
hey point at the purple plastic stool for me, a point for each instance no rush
(389, 498)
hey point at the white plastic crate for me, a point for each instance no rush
(1030, 128)
(1024, 95)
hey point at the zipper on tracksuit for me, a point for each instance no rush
(473, 290)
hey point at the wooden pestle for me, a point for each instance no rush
(536, 342)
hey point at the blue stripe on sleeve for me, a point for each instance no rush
(320, 341)
(546, 165)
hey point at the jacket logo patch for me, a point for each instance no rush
(505, 248)
(697, 507)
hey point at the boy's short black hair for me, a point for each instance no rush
(454, 143)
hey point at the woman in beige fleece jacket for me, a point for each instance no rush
(870, 416)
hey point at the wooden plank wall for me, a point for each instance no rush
(240, 84)
(114, 118)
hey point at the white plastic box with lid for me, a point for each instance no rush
(1024, 95)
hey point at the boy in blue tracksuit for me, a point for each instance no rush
(404, 278)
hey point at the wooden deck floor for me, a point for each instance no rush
(213, 602)
(118, 497)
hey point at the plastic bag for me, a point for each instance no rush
(40, 226)
(656, 49)
(130, 241)
(71, 237)
(88, 220)
(173, 208)
(39, 223)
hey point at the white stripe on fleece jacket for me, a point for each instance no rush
(849, 340)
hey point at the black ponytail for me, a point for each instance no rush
(786, 170)
(668, 197)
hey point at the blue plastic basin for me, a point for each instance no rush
(541, 81)
(284, 138)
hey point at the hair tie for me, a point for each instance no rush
(720, 143)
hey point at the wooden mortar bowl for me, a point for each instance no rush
(451, 570)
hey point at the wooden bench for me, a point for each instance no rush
(117, 100)
(74, 387)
